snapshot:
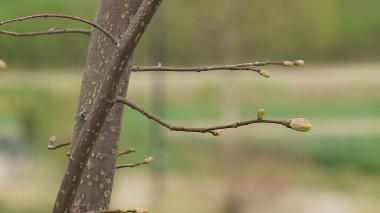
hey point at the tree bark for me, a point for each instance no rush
(94, 190)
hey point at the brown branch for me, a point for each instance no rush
(75, 18)
(121, 211)
(53, 146)
(49, 32)
(102, 106)
(215, 130)
(147, 160)
(234, 67)
(192, 69)
(126, 152)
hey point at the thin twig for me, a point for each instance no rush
(57, 146)
(75, 18)
(192, 69)
(133, 165)
(121, 211)
(49, 32)
(126, 152)
(235, 67)
(53, 146)
(211, 129)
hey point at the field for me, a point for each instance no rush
(334, 168)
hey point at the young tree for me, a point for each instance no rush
(116, 31)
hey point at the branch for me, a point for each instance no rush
(75, 18)
(49, 32)
(127, 152)
(215, 130)
(53, 146)
(233, 67)
(147, 160)
(121, 211)
(102, 106)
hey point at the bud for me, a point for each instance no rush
(148, 160)
(299, 63)
(52, 140)
(288, 63)
(260, 114)
(3, 65)
(264, 73)
(299, 124)
(216, 132)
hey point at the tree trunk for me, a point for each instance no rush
(94, 190)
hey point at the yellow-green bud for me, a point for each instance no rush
(299, 124)
(264, 73)
(52, 140)
(299, 62)
(148, 160)
(3, 65)
(216, 132)
(288, 63)
(260, 114)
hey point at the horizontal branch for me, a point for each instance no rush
(192, 69)
(126, 152)
(75, 18)
(215, 130)
(132, 165)
(121, 211)
(53, 146)
(234, 67)
(49, 32)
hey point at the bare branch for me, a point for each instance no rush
(233, 67)
(53, 146)
(49, 32)
(126, 152)
(144, 162)
(215, 130)
(63, 16)
(193, 69)
(121, 211)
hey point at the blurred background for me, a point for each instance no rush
(263, 168)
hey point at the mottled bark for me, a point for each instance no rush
(103, 96)
(94, 190)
